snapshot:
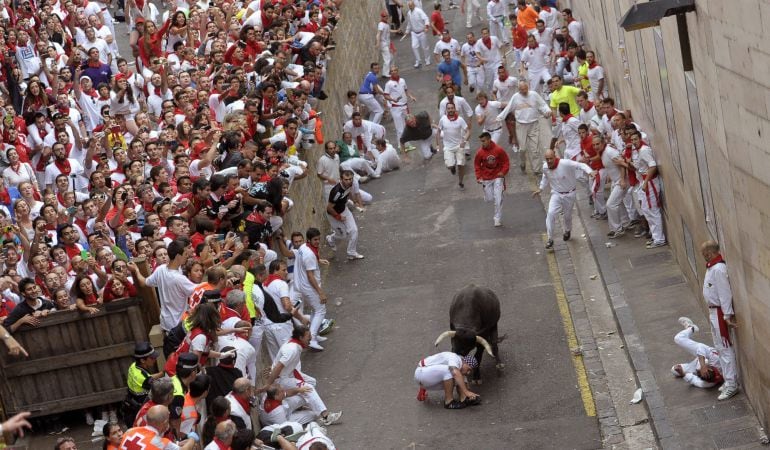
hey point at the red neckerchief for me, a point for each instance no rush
(503, 77)
(289, 139)
(90, 299)
(298, 342)
(92, 93)
(611, 113)
(270, 278)
(170, 235)
(63, 166)
(714, 261)
(244, 403)
(68, 149)
(590, 105)
(65, 111)
(42, 132)
(395, 78)
(570, 20)
(271, 404)
(567, 117)
(221, 445)
(546, 8)
(94, 65)
(5, 197)
(487, 41)
(591, 66)
(60, 197)
(452, 119)
(555, 163)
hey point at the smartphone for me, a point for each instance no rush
(124, 196)
(296, 304)
(131, 223)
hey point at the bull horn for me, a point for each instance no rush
(483, 342)
(444, 335)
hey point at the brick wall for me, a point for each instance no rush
(350, 62)
(732, 91)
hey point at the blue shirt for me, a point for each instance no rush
(101, 74)
(368, 86)
(452, 68)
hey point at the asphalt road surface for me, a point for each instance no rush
(424, 239)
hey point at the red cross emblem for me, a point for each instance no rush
(134, 444)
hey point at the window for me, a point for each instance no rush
(689, 248)
(700, 153)
(666, 90)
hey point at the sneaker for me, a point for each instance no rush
(523, 168)
(640, 233)
(453, 170)
(686, 322)
(427, 62)
(331, 418)
(462, 186)
(356, 256)
(656, 244)
(498, 223)
(591, 201)
(472, 89)
(330, 242)
(453, 6)
(321, 339)
(601, 217)
(721, 388)
(326, 327)
(727, 392)
(89, 418)
(417, 65)
(649, 242)
(363, 179)
(315, 346)
(616, 234)
(567, 235)
(549, 244)
(633, 223)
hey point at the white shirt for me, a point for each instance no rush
(366, 131)
(246, 355)
(545, 37)
(173, 290)
(716, 288)
(490, 114)
(289, 356)
(397, 92)
(102, 46)
(462, 106)
(278, 289)
(470, 56)
(590, 117)
(535, 58)
(79, 183)
(453, 46)
(644, 160)
(452, 132)
(449, 359)
(595, 75)
(551, 18)
(576, 31)
(495, 9)
(306, 261)
(492, 55)
(612, 170)
(563, 178)
(416, 21)
(569, 132)
(384, 30)
(504, 90)
(526, 109)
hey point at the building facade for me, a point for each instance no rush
(705, 105)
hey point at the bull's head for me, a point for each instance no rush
(464, 341)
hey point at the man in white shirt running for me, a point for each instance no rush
(453, 134)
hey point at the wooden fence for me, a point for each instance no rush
(76, 360)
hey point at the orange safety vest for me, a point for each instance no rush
(190, 416)
(143, 438)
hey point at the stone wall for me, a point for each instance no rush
(349, 63)
(716, 174)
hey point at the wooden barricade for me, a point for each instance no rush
(76, 360)
(150, 303)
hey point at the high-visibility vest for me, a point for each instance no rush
(248, 285)
(144, 438)
(135, 380)
(190, 416)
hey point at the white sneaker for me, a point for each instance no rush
(330, 242)
(356, 256)
(427, 62)
(331, 418)
(315, 346)
(727, 393)
(498, 223)
(321, 338)
(417, 65)
(686, 322)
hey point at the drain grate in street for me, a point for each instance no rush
(669, 281)
(736, 438)
(720, 412)
(655, 258)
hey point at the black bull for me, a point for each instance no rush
(473, 318)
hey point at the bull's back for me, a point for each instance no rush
(475, 306)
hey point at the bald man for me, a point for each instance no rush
(151, 435)
(223, 435)
(561, 175)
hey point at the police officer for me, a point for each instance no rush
(186, 370)
(139, 379)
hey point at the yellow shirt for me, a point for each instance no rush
(566, 94)
(583, 74)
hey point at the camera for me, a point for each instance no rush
(124, 196)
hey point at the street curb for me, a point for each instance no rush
(643, 372)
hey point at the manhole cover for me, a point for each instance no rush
(736, 438)
(722, 412)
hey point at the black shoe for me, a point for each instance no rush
(455, 404)
(523, 168)
(549, 244)
(453, 170)
(433, 150)
(471, 88)
(462, 186)
(567, 235)
(591, 201)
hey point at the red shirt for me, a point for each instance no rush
(491, 163)
(437, 21)
(519, 37)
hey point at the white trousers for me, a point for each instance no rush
(616, 210)
(312, 399)
(726, 351)
(631, 203)
(528, 137)
(650, 207)
(347, 228)
(312, 299)
(600, 202)
(374, 107)
(490, 71)
(684, 340)
(420, 41)
(534, 79)
(387, 160)
(471, 7)
(424, 147)
(277, 334)
(387, 58)
(398, 113)
(432, 377)
(497, 28)
(560, 203)
(476, 77)
(358, 165)
(493, 191)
